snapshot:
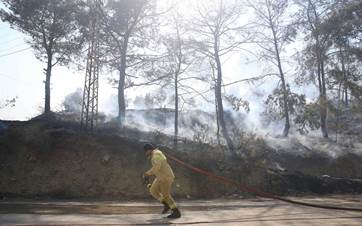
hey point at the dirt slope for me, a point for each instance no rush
(52, 158)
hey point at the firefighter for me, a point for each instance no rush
(161, 186)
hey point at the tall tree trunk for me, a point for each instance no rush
(121, 98)
(217, 123)
(48, 73)
(321, 100)
(177, 73)
(176, 111)
(220, 108)
(345, 88)
(320, 73)
(286, 107)
(338, 110)
(322, 88)
(323, 103)
(282, 77)
(121, 82)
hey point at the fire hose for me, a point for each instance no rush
(252, 190)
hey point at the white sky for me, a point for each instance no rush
(21, 75)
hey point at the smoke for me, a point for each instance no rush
(73, 101)
(191, 123)
(200, 124)
(314, 144)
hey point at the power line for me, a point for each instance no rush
(8, 34)
(12, 47)
(18, 51)
(11, 40)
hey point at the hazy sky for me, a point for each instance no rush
(21, 75)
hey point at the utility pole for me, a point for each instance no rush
(89, 114)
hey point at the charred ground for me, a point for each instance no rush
(48, 157)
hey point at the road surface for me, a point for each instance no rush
(246, 212)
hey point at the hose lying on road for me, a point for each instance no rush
(252, 190)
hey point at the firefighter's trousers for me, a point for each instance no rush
(161, 190)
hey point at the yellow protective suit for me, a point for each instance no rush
(161, 186)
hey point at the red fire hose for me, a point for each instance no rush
(254, 191)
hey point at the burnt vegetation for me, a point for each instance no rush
(304, 143)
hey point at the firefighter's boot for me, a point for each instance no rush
(166, 208)
(175, 214)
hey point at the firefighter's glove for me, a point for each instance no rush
(146, 180)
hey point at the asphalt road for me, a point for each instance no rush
(247, 212)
